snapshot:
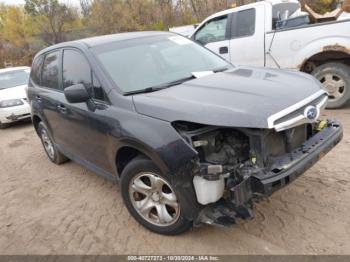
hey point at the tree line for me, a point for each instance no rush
(26, 29)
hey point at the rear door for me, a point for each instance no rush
(67, 123)
(49, 93)
(247, 36)
(214, 35)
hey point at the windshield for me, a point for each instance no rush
(14, 78)
(142, 63)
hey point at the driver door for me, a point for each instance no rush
(214, 36)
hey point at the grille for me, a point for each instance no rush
(300, 111)
(297, 117)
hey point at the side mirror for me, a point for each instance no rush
(76, 93)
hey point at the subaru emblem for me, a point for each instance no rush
(311, 113)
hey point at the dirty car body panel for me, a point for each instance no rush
(239, 126)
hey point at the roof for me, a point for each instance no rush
(105, 39)
(100, 40)
(9, 69)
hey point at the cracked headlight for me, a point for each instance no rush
(10, 103)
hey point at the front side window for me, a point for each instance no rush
(77, 70)
(50, 71)
(213, 31)
(142, 63)
(243, 23)
(14, 78)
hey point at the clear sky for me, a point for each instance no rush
(20, 2)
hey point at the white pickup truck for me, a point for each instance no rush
(275, 33)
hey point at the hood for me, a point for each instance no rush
(17, 92)
(242, 97)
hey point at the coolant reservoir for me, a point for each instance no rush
(208, 191)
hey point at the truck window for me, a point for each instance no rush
(213, 31)
(243, 23)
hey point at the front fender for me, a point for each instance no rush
(156, 139)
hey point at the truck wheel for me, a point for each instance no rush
(52, 152)
(151, 199)
(335, 78)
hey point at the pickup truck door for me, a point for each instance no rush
(214, 35)
(247, 36)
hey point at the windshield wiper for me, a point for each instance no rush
(176, 82)
(220, 69)
(161, 86)
(141, 91)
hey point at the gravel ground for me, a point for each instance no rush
(49, 209)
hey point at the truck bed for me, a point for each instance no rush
(290, 46)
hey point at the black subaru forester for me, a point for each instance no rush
(190, 138)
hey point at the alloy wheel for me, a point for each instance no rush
(47, 144)
(154, 199)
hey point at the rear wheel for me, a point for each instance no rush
(335, 78)
(51, 150)
(151, 199)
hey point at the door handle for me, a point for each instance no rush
(38, 98)
(223, 50)
(62, 109)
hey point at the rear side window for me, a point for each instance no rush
(243, 23)
(77, 70)
(50, 71)
(35, 74)
(213, 31)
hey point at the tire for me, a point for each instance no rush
(335, 77)
(50, 149)
(143, 185)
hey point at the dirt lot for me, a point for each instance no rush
(49, 209)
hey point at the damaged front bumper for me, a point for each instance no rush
(257, 182)
(292, 165)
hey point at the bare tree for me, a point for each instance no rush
(85, 7)
(55, 14)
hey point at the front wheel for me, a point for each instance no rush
(151, 199)
(335, 78)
